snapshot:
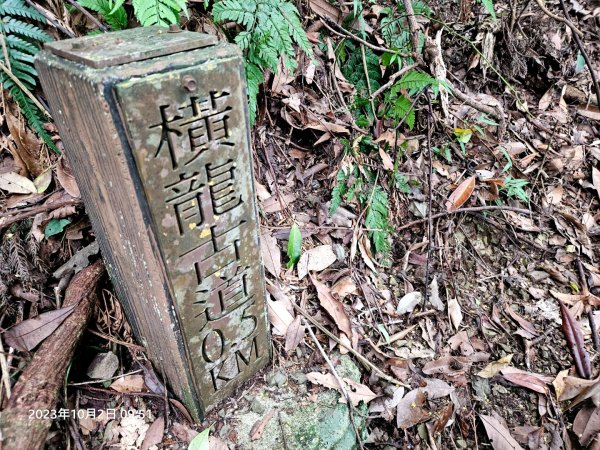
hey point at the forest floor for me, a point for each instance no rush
(452, 241)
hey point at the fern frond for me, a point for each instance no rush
(15, 26)
(270, 30)
(157, 12)
(34, 116)
(254, 78)
(338, 191)
(377, 219)
(18, 8)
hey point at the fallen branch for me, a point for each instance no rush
(567, 22)
(341, 384)
(497, 112)
(38, 386)
(392, 80)
(464, 210)
(33, 210)
(364, 361)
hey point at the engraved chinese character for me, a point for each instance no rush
(194, 128)
(229, 292)
(219, 254)
(222, 191)
(185, 196)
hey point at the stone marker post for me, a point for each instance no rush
(155, 125)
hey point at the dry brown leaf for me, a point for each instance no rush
(129, 383)
(596, 180)
(455, 313)
(494, 367)
(315, 260)
(259, 427)
(154, 434)
(388, 164)
(587, 424)
(448, 365)
(343, 287)
(437, 389)
(271, 254)
(28, 153)
(499, 436)
(16, 184)
(183, 432)
(591, 112)
(295, 334)
(26, 335)
(328, 127)
(334, 307)
(279, 316)
(66, 178)
(325, 9)
(411, 409)
(356, 391)
(461, 194)
(528, 380)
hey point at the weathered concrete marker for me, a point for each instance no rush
(155, 125)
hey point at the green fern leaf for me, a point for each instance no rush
(338, 191)
(18, 8)
(489, 7)
(33, 115)
(377, 219)
(14, 26)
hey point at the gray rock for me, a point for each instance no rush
(258, 406)
(103, 367)
(307, 424)
(277, 379)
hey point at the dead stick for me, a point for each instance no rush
(38, 386)
(340, 383)
(364, 361)
(465, 210)
(32, 211)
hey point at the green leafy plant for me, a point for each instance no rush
(115, 17)
(489, 7)
(294, 249)
(270, 30)
(513, 188)
(154, 12)
(20, 44)
(362, 185)
(395, 31)
(397, 103)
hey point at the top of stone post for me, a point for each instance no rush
(122, 47)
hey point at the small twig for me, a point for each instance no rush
(567, 22)
(32, 211)
(134, 347)
(330, 25)
(50, 19)
(87, 14)
(26, 91)
(393, 79)
(364, 361)
(585, 291)
(465, 210)
(285, 446)
(413, 27)
(429, 194)
(366, 69)
(585, 55)
(341, 384)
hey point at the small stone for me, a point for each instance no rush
(277, 379)
(299, 377)
(103, 367)
(538, 275)
(258, 406)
